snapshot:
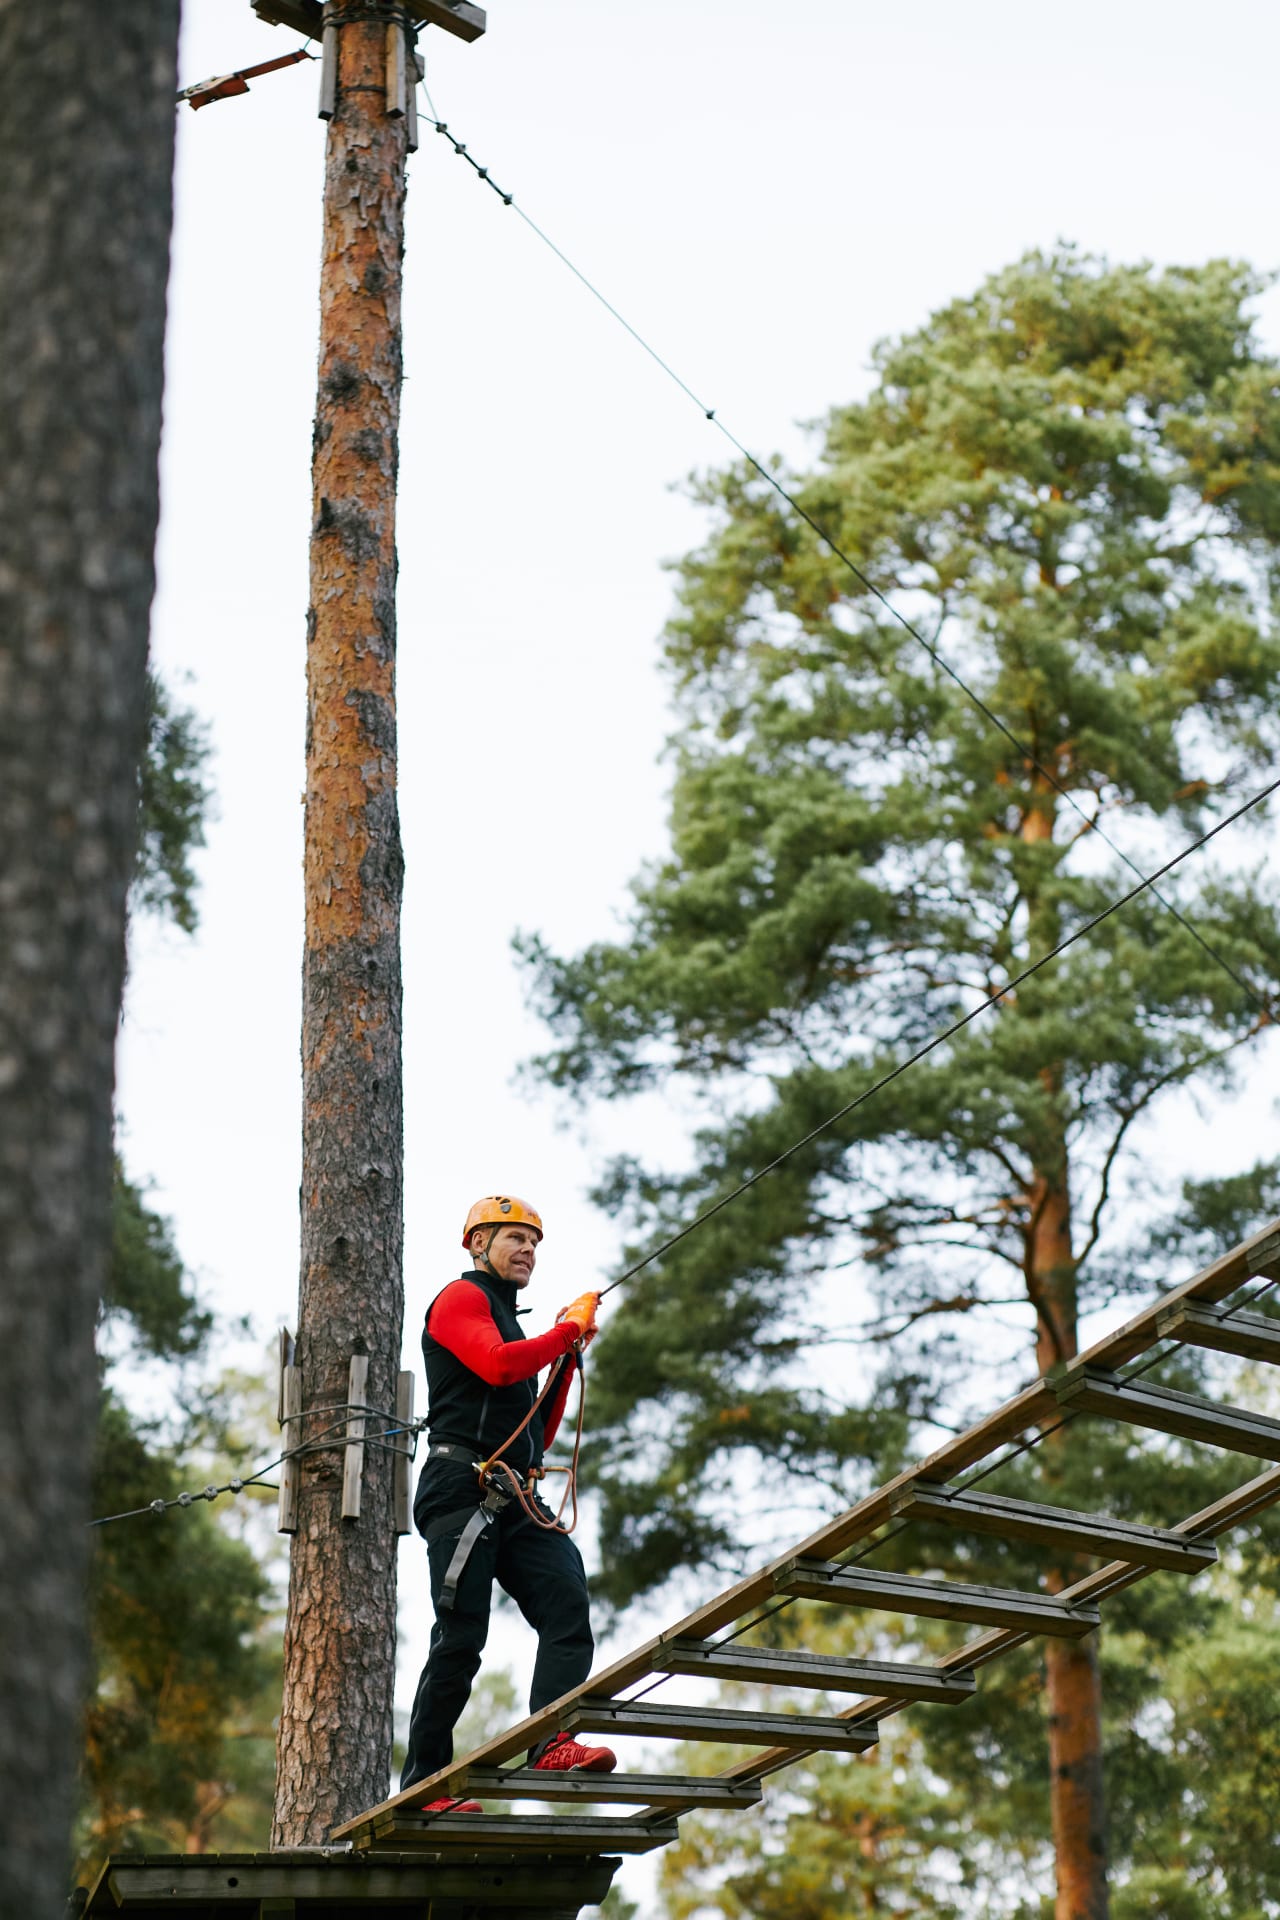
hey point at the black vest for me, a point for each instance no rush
(466, 1410)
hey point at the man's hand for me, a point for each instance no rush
(581, 1313)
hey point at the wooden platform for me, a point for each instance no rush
(331, 1883)
(708, 1642)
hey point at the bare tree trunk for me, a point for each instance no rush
(1072, 1681)
(334, 1748)
(1073, 1687)
(86, 158)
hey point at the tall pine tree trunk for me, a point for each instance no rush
(86, 161)
(1072, 1682)
(334, 1747)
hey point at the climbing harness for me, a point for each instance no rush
(502, 1484)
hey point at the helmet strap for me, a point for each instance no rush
(482, 1259)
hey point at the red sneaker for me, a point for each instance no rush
(452, 1806)
(565, 1755)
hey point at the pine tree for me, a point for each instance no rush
(1070, 483)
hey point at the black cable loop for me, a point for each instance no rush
(320, 1443)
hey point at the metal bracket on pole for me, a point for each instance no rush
(401, 1506)
(288, 1413)
(353, 1461)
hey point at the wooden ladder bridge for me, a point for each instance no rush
(1197, 1314)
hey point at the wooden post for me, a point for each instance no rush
(404, 1454)
(334, 1747)
(289, 1415)
(353, 1457)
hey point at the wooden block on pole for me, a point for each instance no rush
(289, 1408)
(353, 1459)
(402, 1501)
(417, 72)
(328, 72)
(397, 69)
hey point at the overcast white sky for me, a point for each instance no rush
(764, 189)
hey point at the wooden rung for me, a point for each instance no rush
(767, 1666)
(1092, 1533)
(1091, 1390)
(1252, 1336)
(638, 1789)
(403, 1831)
(935, 1599)
(732, 1726)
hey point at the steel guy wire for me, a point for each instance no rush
(784, 493)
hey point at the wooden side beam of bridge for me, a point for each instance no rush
(811, 1571)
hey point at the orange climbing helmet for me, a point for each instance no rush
(502, 1210)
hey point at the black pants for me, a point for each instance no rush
(544, 1575)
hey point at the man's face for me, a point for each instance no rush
(511, 1252)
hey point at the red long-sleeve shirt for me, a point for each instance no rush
(461, 1321)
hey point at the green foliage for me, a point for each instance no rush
(178, 1608)
(179, 1738)
(146, 1295)
(173, 800)
(1071, 480)
(615, 1906)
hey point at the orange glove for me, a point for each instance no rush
(581, 1313)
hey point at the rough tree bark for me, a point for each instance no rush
(86, 161)
(335, 1731)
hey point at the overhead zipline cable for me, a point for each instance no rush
(771, 479)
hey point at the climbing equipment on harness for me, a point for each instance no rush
(479, 1520)
(502, 1210)
(502, 1484)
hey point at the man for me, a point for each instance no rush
(482, 1379)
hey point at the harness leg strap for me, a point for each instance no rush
(475, 1526)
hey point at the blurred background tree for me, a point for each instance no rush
(185, 1620)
